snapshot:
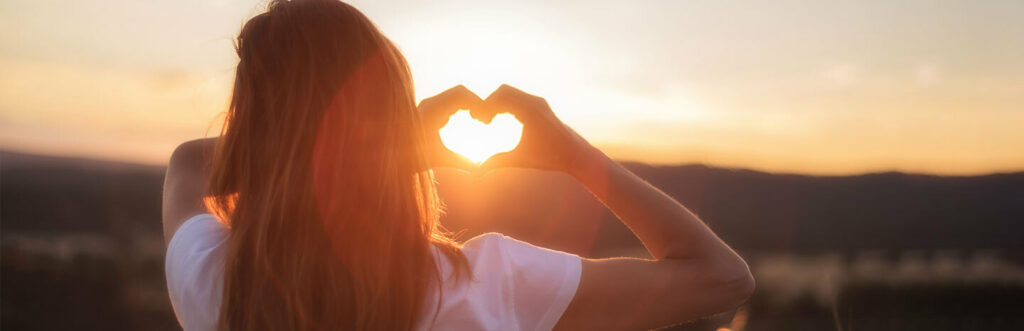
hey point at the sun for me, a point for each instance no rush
(478, 141)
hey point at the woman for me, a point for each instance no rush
(316, 207)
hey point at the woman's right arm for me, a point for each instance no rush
(693, 274)
(185, 184)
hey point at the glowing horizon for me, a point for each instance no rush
(791, 86)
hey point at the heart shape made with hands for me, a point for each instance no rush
(478, 141)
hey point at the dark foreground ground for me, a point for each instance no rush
(81, 246)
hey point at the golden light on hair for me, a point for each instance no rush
(478, 141)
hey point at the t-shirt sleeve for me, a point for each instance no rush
(194, 269)
(542, 281)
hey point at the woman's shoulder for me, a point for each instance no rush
(493, 243)
(202, 229)
(197, 247)
(194, 267)
(505, 261)
(489, 240)
(197, 243)
(517, 283)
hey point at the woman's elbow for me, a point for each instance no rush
(741, 287)
(726, 281)
(735, 284)
(714, 287)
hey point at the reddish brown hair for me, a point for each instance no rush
(320, 175)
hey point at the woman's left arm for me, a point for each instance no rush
(185, 184)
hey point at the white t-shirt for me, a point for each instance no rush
(514, 286)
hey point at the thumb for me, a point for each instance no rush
(457, 161)
(500, 160)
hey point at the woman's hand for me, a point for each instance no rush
(546, 142)
(434, 112)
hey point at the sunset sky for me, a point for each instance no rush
(818, 87)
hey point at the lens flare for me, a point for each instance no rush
(478, 141)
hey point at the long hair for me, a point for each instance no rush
(320, 175)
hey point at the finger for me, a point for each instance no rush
(492, 105)
(441, 157)
(453, 99)
(455, 160)
(436, 110)
(512, 90)
(496, 161)
(505, 99)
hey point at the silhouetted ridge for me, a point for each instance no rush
(752, 210)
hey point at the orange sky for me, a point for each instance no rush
(821, 87)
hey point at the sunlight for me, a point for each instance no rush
(478, 141)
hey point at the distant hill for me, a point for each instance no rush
(52, 195)
(874, 211)
(752, 210)
(757, 211)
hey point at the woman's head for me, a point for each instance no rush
(320, 175)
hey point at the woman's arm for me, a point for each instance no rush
(185, 184)
(694, 274)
